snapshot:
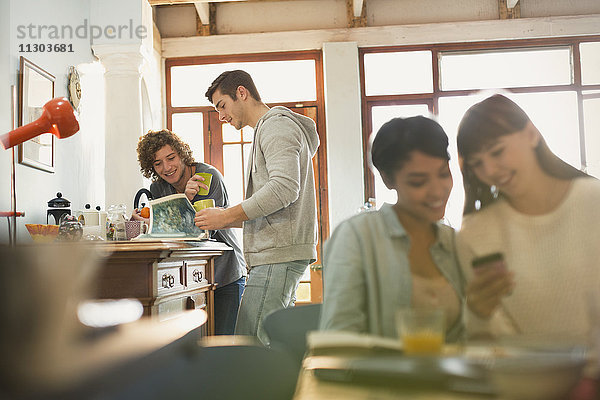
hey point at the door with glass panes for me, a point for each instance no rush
(228, 151)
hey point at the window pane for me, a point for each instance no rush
(276, 81)
(504, 69)
(247, 150)
(398, 73)
(591, 118)
(555, 115)
(230, 134)
(189, 127)
(303, 292)
(380, 115)
(248, 134)
(234, 178)
(451, 112)
(590, 63)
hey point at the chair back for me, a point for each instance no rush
(287, 328)
(214, 371)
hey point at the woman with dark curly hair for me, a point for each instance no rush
(169, 162)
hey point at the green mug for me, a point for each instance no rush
(202, 204)
(207, 179)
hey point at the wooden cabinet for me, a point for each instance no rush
(166, 277)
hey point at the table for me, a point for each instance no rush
(100, 364)
(310, 387)
(166, 277)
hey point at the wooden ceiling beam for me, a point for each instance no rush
(202, 9)
(206, 19)
(357, 8)
(356, 11)
(509, 9)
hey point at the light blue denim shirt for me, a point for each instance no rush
(367, 274)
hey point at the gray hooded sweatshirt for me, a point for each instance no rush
(280, 190)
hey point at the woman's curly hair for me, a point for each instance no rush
(152, 142)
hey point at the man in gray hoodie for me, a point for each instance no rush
(279, 213)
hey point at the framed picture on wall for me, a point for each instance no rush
(36, 88)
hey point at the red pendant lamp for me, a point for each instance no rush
(57, 118)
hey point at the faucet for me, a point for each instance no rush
(136, 200)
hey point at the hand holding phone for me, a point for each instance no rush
(490, 283)
(495, 260)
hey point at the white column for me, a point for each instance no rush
(91, 167)
(123, 103)
(344, 130)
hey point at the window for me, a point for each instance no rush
(382, 114)
(277, 81)
(398, 73)
(556, 81)
(590, 63)
(188, 127)
(505, 68)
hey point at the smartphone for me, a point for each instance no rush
(487, 260)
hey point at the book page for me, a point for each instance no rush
(172, 217)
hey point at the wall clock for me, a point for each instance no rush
(74, 87)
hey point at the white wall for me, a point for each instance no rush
(133, 93)
(344, 133)
(73, 174)
(5, 113)
(80, 159)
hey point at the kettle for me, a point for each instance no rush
(138, 195)
(58, 207)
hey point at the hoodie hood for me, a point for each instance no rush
(306, 124)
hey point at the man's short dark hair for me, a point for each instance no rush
(229, 81)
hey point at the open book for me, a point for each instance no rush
(172, 218)
(324, 341)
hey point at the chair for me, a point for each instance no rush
(226, 367)
(287, 328)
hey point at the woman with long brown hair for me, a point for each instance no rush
(540, 213)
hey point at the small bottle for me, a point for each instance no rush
(115, 222)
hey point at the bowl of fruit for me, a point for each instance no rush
(42, 232)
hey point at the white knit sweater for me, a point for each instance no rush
(555, 258)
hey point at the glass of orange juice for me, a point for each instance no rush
(422, 330)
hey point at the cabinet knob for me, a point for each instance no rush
(168, 281)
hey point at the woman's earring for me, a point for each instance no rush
(494, 190)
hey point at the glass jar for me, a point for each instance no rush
(115, 222)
